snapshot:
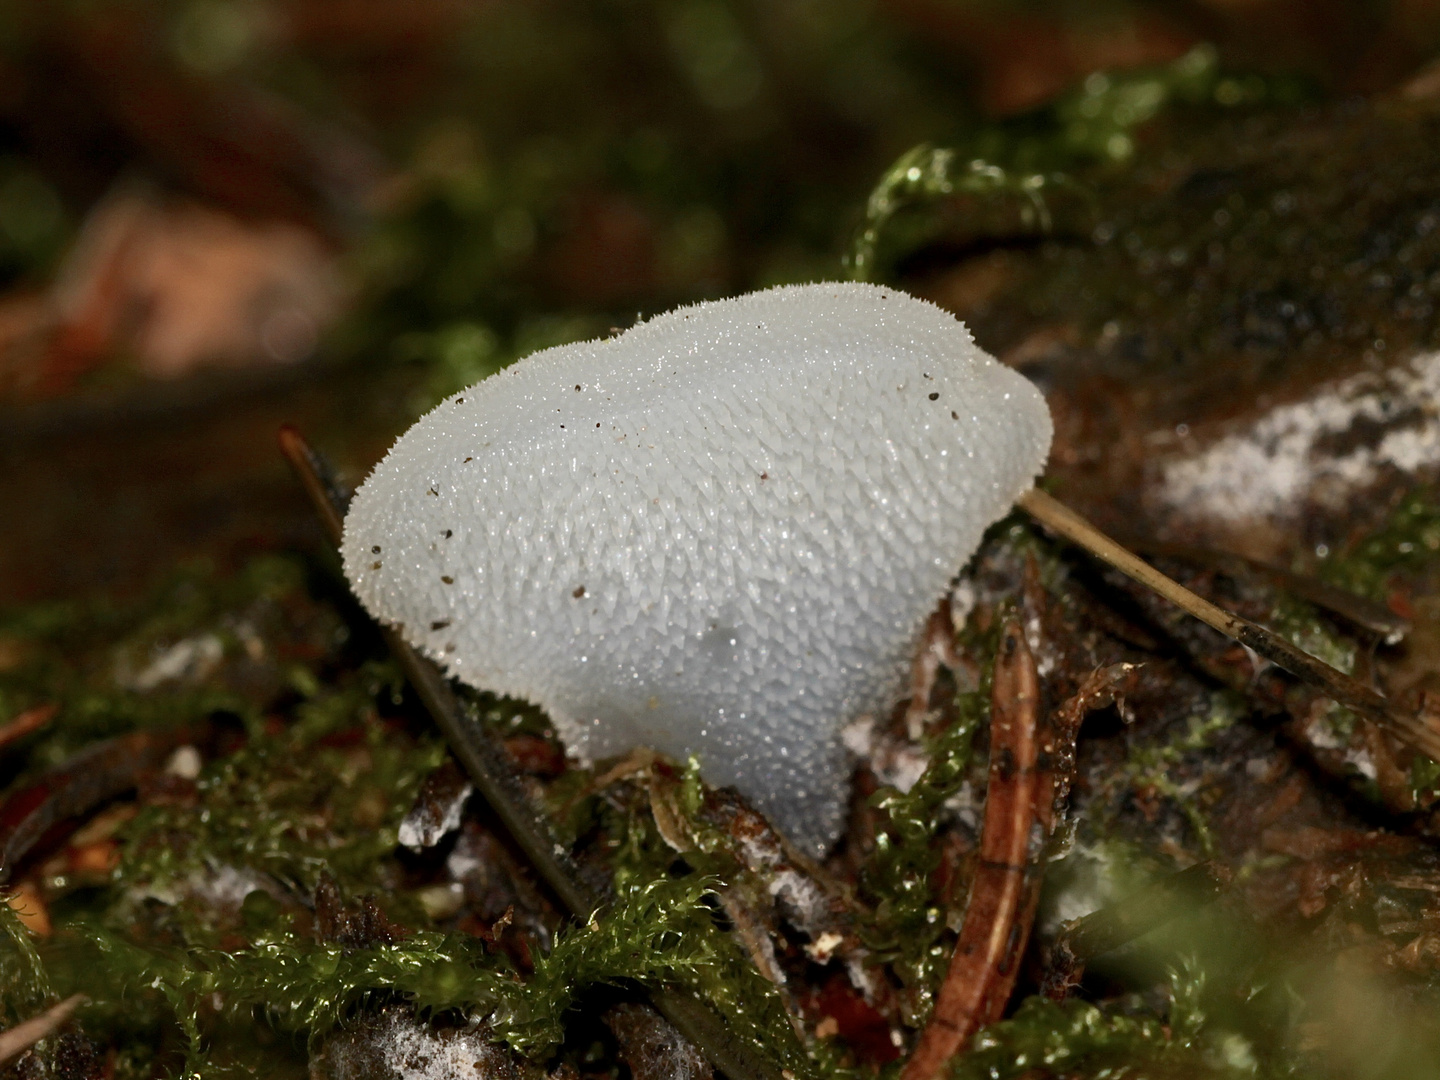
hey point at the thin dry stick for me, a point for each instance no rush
(1409, 729)
(496, 782)
(27, 1033)
(979, 979)
(28, 721)
(1353, 608)
(484, 763)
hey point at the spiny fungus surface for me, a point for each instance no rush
(718, 533)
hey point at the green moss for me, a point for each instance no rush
(659, 933)
(1156, 765)
(1013, 171)
(1424, 780)
(34, 225)
(644, 862)
(908, 923)
(925, 174)
(1303, 626)
(104, 663)
(1077, 1039)
(291, 806)
(1404, 546)
(24, 985)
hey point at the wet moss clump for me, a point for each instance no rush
(211, 945)
(1399, 553)
(909, 920)
(1075, 1037)
(325, 794)
(1032, 176)
(24, 985)
(657, 934)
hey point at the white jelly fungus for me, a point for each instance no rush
(718, 533)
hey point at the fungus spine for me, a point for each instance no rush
(718, 533)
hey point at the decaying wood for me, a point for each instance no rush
(978, 982)
(652, 1048)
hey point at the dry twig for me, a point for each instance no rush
(27, 1033)
(1412, 730)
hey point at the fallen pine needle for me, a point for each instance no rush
(27, 1033)
(981, 972)
(1410, 729)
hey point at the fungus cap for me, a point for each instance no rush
(718, 533)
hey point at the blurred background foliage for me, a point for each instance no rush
(487, 177)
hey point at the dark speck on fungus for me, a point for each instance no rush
(447, 579)
(449, 533)
(935, 396)
(439, 624)
(375, 550)
(579, 592)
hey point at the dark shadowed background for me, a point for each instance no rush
(217, 215)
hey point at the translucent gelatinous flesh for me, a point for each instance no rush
(718, 533)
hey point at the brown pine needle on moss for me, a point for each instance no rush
(27, 1033)
(983, 966)
(1409, 729)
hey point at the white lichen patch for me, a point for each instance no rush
(719, 533)
(1319, 450)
